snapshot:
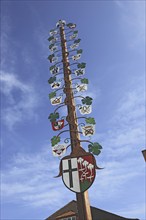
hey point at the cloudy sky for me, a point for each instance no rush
(113, 42)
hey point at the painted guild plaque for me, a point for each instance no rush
(85, 109)
(56, 100)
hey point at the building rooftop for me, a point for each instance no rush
(70, 209)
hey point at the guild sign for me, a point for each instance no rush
(53, 32)
(88, 130)
(78, 173)
(58, 150)
(75, 45)
(53, 48)
(53, 41)
(72, 26)
(56, 100)
(55, 85)
(85, 109)
(54, 69)
(57, 125)
(76, 57)
(73, 36)
(79, 72)
(81, 87)
(53, 59)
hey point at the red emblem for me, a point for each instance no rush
(57, 125)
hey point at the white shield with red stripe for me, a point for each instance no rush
(78, 173)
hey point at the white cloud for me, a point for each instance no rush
(8, 55)
(125, 130)
(132, 211)
(20, 100)
(132, 21)
(118, 3)
(121, 156)
(30, 179)
(10, 81)
(119, 173)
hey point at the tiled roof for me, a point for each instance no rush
(97, 214)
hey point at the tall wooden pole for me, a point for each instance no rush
(83, 205)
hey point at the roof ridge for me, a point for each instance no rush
(73, 201)
(114, 213)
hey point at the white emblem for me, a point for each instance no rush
(53, 48)
(54, 59)
(81, 88)
(79, 72)
(74, 46)
(58, 150)
(55, 85)
(88, 130)
(56, 100)
(76, 57)
(53, 32)
(54, 70)
(73, 36)
(85, 109)
(60, 23)
(53, 40)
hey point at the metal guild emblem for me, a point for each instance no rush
(54, 69)
(79, 72)
(76, 57)
(85, 109)
(53, 32)
(58, 125)
(56, 100)
(53, 48)
(73, 36)
(78, 173)
(55, 85)
(88, 130)
(81, 88)
(58, 150)
(75, 45)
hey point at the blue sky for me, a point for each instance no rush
(113, 40)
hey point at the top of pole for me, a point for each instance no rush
(61, 23)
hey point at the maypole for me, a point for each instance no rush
(78, 168)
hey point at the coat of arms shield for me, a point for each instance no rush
(78, 173)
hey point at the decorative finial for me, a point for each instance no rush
(60, 23)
